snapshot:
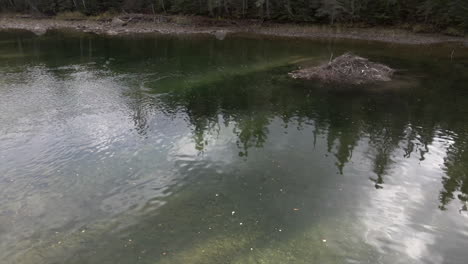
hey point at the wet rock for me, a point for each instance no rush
(220, 34)
(347, 68)
(39, 31)
(117, 22)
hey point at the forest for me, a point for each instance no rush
(435, 14)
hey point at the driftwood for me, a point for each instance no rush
(346, 68)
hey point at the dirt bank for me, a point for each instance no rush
(131, 24)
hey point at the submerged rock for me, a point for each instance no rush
(346, 68)
(220, 34)
(39, 31)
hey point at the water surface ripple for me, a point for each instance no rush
(177, 149)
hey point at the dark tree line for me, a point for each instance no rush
(438, 13)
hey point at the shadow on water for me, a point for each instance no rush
(287, 146)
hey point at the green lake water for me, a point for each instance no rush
(188, 149)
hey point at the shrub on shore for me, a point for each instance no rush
(71, 15)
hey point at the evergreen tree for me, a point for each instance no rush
(438, 13)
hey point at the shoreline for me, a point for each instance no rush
(195, 25)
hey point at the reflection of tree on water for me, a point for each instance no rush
(251, 132)
(250, 102)
(382, 160)
(140, 116)
(456, 179)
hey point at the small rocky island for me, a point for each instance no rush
(347, 68)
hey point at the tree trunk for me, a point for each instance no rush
(267, 5)
(32, 6)
(163, 6)
(210, 7)
(226, 7)
(243, 8)
(154, 13)
(288, 8)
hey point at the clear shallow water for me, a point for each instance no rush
(158, 149)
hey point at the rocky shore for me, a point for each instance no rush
(136, 24)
